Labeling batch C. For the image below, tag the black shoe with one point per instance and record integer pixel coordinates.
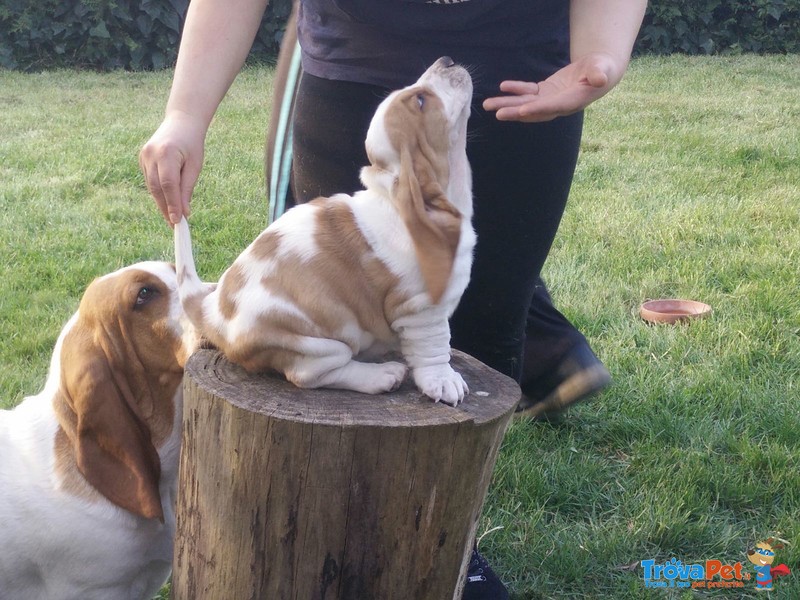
(580, 374)
(482, 583)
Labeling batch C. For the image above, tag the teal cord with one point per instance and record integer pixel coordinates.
(282, 154)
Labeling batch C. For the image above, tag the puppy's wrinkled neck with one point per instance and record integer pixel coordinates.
(378, 180)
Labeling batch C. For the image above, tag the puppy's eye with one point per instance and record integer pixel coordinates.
(145, 295)
(421, 100)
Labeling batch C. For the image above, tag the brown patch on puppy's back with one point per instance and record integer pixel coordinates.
(232, 282)
(347, 263)
(266, 245)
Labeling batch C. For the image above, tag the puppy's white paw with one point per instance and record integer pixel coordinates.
(441, 383)
(385, 377)
(367, 378)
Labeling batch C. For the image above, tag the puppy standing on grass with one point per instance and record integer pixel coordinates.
(347, 278)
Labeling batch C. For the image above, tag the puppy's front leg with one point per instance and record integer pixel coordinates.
(425, 344)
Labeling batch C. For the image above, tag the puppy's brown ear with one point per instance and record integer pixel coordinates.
(99, 414)
(433, 222)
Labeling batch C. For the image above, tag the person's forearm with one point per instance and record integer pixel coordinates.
(216, 39)
(606, 26)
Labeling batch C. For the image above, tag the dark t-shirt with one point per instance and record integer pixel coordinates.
(391, 42)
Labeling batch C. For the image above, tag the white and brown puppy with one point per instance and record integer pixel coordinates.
(88, 467)
(340, 281)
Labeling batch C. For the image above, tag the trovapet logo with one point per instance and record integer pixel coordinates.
(712, 574)
(708, 574)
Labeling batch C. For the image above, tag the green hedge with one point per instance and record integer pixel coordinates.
(720, 27)
(144, 34)
(108, 34)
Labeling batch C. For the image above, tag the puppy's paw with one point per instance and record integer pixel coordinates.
(386, 377)
(367, 378)
(441, 383)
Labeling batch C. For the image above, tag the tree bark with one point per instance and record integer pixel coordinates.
(288, 493)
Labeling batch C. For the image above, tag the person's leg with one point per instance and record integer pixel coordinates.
(522, 175)
(557, 370)
(521, 179)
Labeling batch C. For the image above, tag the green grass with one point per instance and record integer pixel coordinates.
(688, 185)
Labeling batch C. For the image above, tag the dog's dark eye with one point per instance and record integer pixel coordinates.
(145, 295)
(421, 100)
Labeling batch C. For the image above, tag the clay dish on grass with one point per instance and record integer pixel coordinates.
(673, 310)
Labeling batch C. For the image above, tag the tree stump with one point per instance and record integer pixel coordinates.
(288, 493)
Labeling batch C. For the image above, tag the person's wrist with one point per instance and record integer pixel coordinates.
(612, 65)
(187, 120)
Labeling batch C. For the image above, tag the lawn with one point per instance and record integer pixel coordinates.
(688, 186)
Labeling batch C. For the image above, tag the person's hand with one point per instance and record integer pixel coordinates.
(171, 161)
(566, 91)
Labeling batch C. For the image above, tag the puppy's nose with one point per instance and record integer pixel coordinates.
(446, 62)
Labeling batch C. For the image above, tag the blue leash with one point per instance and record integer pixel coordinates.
(282, 156)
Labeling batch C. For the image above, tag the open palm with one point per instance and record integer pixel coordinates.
(567, 91)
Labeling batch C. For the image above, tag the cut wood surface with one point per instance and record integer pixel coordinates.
(288, 493)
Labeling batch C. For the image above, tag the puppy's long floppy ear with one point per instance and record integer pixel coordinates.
(433, 222)
(100, 415)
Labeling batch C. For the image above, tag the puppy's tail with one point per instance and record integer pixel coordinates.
(191, 289)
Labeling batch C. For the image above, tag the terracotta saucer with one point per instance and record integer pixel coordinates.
(673, 310)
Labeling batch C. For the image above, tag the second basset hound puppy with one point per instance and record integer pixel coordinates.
(338, 282)
(88, 467)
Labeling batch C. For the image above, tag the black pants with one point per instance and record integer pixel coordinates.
(521, 179)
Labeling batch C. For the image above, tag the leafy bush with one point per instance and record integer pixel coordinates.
(720, 26)
(144, 34)
(107, 34)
